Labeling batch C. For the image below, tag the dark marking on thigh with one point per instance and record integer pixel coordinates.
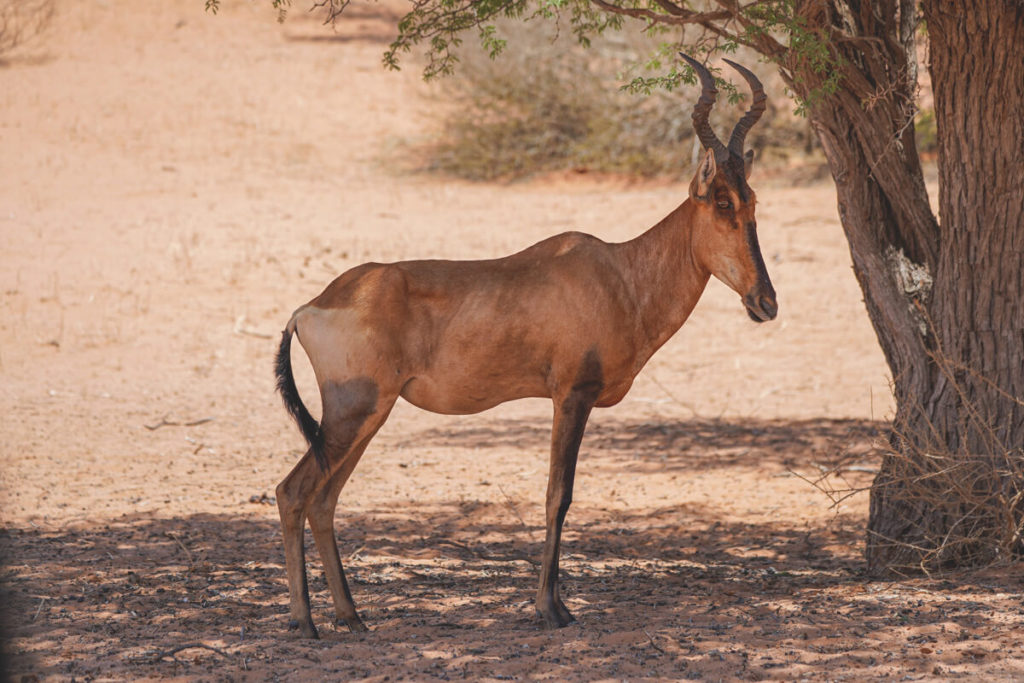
(347, 406)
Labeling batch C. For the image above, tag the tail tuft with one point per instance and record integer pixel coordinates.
(308, 425)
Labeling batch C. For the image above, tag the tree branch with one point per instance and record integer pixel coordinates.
(715, 22)
(765, 43)
(672, 8)
(642, 13)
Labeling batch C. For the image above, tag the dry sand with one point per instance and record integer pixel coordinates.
(174, 184)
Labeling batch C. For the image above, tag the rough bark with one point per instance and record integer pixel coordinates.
(950, 494)
(946, 300)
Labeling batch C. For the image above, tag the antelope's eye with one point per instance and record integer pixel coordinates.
(724, 204)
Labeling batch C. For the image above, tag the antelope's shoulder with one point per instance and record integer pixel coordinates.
(563, 244)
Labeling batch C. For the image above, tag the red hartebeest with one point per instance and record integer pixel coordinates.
(571, 318)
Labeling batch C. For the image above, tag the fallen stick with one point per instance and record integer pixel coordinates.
(240, 328)
(253, 333)
(171, 534)
(155, 657)
(515, 510)
(42, 601)
(164, 422)
(653, 644)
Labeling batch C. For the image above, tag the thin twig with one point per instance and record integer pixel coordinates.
(171, 534)
(164, 422)
(653, 644)
(240, 328)
(155, 657)
(515, 510)
(253, 333)
(836, 496)
(485, 555)
(42, 601)
(673, 397)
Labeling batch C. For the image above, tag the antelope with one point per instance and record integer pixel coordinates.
(571, 318)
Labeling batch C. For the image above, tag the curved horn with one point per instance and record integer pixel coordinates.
(757, 107)
(703, 107)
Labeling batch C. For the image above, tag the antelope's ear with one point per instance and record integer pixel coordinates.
(701, 182)
(748, 163)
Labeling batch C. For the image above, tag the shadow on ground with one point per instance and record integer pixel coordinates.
(681, 445)
(448, 590)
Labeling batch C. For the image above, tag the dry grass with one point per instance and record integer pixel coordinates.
(549, 104)
(964, 505)
(979, 497)
(976, 489)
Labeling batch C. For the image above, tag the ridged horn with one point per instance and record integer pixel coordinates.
(757, 107)
(701, 110)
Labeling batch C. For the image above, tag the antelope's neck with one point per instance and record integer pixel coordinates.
(665, 279)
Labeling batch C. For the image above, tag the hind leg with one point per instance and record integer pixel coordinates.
(291, 505)
(353, 413)
(321, 521)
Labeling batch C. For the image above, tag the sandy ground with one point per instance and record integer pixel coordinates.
(173, 184)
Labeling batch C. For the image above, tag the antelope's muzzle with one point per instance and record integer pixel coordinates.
(761, 305)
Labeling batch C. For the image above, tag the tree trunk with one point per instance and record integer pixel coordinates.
(963, 429)
(946, 301)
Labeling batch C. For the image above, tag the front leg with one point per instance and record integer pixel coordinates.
(571, 415)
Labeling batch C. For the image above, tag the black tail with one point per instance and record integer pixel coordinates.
(308, 425)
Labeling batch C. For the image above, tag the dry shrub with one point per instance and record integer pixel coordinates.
(23, 20)
(976, 490)
(965, 505)
(977, 495)
(549, 104)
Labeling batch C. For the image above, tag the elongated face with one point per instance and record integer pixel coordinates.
(725, 233)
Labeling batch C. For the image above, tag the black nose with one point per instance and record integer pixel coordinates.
(769, 306)
(762, 307)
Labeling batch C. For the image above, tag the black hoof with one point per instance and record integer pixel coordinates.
(306, 628)
(557, 618)
(354, 625)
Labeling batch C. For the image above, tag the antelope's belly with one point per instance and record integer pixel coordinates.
(455, 395)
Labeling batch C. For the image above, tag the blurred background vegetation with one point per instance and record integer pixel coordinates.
(549, 104)
(22, 21)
